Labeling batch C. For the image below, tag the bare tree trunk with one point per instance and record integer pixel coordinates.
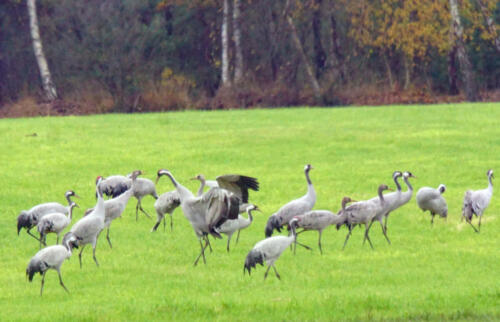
(48, 85)
(463, 59)
(238, 59)
(337, 56)
(389, 71)
(319, 52)
(303, 57)
(452, 71)
(407, 67)
(226, 81)
(490, 23)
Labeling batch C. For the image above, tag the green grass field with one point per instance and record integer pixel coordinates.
(445, 272)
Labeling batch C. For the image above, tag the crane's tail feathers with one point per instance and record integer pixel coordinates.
(272, 223)
(23, 220)
(35, 266)
(254, 257)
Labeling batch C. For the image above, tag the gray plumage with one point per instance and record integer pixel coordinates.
(430, 199)
(293, 208)
(321, 219)
(231, 226)
(51, 257)
(392, 201)
(269, 250)
(363, 212)
(207, 212)
(142, 188)
(29, 218)
(54, 223)
(115, 207)
(87, 229)
(476, 202)
(166, 204)
(115, 185)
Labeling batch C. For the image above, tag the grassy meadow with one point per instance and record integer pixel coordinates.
(445, 272)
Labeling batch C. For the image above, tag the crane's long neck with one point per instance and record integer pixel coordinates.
(201, 188)
(70, 212)
(397, 183)
(410, 188)
(381, 196)
(250, 217)
(183, 191)
(490, 184)
(68, 198)
(99, 208)
(311, 193)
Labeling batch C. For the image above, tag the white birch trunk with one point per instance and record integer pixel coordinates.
(48, 86)
(490, 23)
(463, 59)
(226, 81)
(238, 59)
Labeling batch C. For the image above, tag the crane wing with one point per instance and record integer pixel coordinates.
(220, 206)
(467, 210)
(238, 184)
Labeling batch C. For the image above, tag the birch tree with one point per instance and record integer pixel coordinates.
(226, 81)
(463, 59)
(238, 52)
(48, 86)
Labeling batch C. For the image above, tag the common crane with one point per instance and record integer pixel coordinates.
(209, 211)
(269, 250)
(432, 200)
(87, 229)
(51, 257)
(54, 223)
(29, 218)
(293, 208)
(321, 219)
(231, 226)
(476, 202)
(363, 212)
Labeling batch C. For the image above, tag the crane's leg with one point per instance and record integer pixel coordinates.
(139, 204)
(470, 223)
(137, 211)
(369, 226)
(202, 253)
(159, 217)
(43, 282)
(208, 243)
(228, 241)
(57, 241)
(276, 272)
(432, 219)
(479, 226)
(171, 223)
(41, 240)
(29, 233)
(80, 255)
(267, 271)
(367, 229)
(238, 236)
(384, 231)
(109, 241)
(347, 237)
(319, 242)
(305, 246)
(385, 221)
(94, 245)
(61, 281)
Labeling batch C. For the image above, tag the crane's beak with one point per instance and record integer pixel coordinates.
(413, 176)
(157, 179)
(193, 178)
(76, 205)
(352, 200)
(77, 196)
(390, 189)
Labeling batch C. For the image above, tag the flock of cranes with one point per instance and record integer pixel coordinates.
(219, 211)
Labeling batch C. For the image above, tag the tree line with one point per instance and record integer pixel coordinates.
(172, 54)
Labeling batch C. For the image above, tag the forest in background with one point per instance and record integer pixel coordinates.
(153, 55)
